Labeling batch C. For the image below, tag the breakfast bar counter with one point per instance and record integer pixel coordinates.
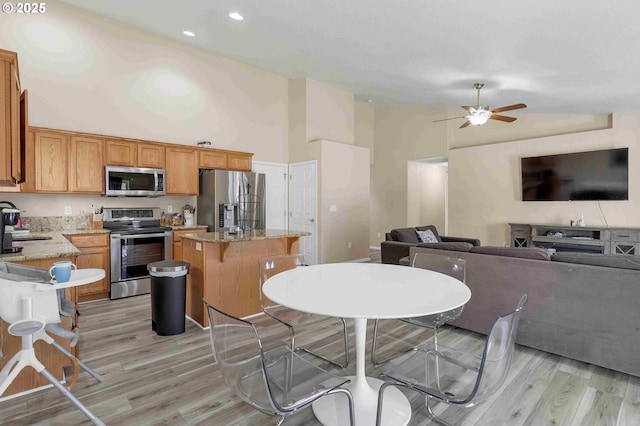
(224, 268)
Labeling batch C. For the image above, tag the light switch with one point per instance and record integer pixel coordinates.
(333, 208)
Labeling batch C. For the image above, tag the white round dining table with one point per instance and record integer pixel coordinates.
(363, 291)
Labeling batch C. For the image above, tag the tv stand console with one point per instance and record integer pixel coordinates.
(585, 239)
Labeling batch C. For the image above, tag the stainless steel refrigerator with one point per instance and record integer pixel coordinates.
(231, 201)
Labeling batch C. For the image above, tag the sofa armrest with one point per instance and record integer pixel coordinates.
(473, 241)
(393, 251)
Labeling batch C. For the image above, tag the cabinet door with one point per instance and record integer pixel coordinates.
(213, 159)
(86, 171)
(121, 153)
(151, 156)
(94, 253)
(10, 143)
(182, 171)
(51, 161)
(239, 161)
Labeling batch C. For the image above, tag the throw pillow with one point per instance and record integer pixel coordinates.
(427, 236)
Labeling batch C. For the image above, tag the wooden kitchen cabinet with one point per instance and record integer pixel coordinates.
(51, 156)
(94, 253)
(12, 135)
(212, 159)
(240, 161)
(182, 171)
(86, 170)
(121, 153)
(150, 155)
(177, 239)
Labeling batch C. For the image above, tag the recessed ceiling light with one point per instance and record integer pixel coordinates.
(370, 101)
(236, 16)
(189, 33)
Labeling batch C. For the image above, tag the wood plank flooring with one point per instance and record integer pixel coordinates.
(154, 380)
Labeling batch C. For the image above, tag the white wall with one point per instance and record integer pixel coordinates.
(426, 195)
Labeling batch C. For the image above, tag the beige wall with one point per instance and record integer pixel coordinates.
(401, 134)
(484, 183)
(426, 195)
(364, 125)
(330, 113)
(92, 74)
(344, 183)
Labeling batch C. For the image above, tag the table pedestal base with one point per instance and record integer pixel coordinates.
(333, 409)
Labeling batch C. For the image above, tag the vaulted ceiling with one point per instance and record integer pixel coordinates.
(569, 56)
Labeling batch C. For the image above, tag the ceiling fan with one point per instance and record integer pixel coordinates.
(479, 114)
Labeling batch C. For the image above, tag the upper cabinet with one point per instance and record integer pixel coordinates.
(182, 171)
(51, 156)
(240, 161)
(121, 153)
(86, 172)
(213, 159)
(151, 155)
(11, 121)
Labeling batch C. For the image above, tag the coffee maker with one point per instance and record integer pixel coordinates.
(8, 217)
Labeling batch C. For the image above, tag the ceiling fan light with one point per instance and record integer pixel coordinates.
(478, 119)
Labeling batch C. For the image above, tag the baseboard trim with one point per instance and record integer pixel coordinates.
(375, 247)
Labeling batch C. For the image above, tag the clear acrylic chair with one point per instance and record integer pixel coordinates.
(454, 377)
(272, 265)
(279, 381)
(448, 265)
(30, 305)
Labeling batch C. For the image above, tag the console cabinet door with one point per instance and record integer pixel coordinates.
(86, 170)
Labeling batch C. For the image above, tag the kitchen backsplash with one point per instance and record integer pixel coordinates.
(56, 223)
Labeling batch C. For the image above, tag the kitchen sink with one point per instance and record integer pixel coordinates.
(34, 238)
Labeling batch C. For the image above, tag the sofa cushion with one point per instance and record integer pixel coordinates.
(426, 236)
(453, 246)
(535, 253)
(404, 261)
(405, 235)
(621, 261)
(432, 229)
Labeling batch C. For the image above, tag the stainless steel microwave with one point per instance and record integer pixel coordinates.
(134, 182)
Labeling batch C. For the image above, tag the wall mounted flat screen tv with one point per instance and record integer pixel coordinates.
(593, 175)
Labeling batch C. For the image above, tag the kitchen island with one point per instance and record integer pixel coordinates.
(224, 268)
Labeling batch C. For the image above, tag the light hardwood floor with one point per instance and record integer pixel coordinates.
(154, 380)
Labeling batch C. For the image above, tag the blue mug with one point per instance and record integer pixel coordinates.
(61, 271)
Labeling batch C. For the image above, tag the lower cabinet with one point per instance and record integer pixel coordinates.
(94, 253)
(177, 239)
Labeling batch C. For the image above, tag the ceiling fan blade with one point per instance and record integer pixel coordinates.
(452, 118)
(502, 118)
(509, 108)
(466, 123)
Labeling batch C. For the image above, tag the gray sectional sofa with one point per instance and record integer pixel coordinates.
(582, 306)
(398, 242)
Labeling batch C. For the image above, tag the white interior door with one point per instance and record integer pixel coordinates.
(303, 212)
(276, 194)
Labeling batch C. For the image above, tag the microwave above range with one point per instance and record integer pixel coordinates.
(134, 182)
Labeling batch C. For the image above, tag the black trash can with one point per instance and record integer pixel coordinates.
(168, 296)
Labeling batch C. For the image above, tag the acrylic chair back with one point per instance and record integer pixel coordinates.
(272, 265)
(448, 265)
(498, 354)
(238, 351)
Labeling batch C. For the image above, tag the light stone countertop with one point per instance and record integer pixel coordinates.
(225, 237)
(57, 246)
(185, 227)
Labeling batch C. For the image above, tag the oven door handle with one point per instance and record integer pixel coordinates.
(128, 237)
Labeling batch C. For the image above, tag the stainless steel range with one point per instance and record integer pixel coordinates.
(137, 239)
